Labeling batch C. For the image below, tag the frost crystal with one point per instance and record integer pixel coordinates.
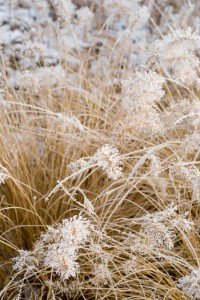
(3, 177)
(159, 233)
(24, 260)
(63, 10)
(140, 244)
(108, 159)
(139, 95)
(177, 57)
(77, 165)
(190, 284)
(142, 88)
(160, 227)
(69, 120)
(76, 230)
(33, 50)
(130, 265)
(62, 260)
(72, 232)
(188, 177)
(28, 81)
(102, 274)
(155, 165)
(63, 244)
(144, 123)
(57, 248)
(85, 15)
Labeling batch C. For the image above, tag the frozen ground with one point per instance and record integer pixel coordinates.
(52, 40)
(37, 38)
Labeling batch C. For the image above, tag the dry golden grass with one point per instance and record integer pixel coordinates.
(42, 133)
(36, 152)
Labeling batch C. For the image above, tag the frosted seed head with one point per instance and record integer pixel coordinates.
(25, 260)
(190, 284)
(142, 88)
(108, 159)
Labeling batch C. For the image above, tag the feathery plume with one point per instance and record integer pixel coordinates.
(190, 284)
(108, 159)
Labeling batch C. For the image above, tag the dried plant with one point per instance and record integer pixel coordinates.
(99, 141)
(190, 284)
